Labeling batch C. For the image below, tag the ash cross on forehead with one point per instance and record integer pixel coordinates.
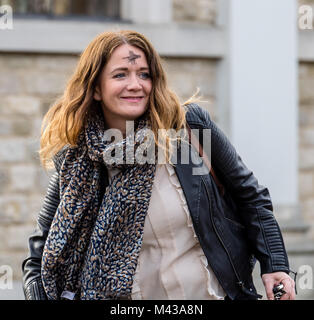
(132, 57)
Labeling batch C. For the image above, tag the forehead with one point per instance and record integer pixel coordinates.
(127, 54)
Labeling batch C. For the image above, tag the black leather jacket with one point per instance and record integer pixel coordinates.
(230, 235)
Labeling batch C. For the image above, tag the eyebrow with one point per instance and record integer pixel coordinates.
(126, 69)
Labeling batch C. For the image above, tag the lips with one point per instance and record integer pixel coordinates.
(132, 99)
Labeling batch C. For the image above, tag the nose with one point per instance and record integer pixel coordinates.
(134, 83)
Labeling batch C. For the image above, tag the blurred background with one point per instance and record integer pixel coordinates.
(253, 61)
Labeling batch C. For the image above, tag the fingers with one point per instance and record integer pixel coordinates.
(288, 288)
(269, 285)
(270, 280)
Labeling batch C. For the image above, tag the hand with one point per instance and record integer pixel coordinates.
(273, 279)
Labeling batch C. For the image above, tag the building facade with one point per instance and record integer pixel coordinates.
(252, 63)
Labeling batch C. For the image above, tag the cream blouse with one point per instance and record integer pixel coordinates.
(171, 264)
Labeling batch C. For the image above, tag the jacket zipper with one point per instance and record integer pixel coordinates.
(240, 283)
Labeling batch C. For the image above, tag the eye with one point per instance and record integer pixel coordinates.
(144, 75)
(119, 75)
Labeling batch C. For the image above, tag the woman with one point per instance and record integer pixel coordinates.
(118, 224)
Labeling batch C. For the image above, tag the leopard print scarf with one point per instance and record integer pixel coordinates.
(94, 241)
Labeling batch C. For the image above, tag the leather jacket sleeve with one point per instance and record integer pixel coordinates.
(32, 284)
(253, 200)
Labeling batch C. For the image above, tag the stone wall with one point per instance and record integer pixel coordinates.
(306, 136)
(186, 75)
(200, 11)
(29, 84)
(306, 142)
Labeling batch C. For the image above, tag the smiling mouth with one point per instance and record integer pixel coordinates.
(132, 99)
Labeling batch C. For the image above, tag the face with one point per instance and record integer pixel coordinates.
(124, 86)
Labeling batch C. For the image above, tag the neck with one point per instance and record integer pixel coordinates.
(120, 125)
(112, 122)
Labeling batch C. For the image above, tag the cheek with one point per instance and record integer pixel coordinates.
(148, 87)
(111, 90)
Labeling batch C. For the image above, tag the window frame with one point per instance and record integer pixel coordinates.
(71, 14)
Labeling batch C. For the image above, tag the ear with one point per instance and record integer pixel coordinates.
(97, 93)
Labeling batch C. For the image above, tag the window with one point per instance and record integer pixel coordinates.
(65, 8)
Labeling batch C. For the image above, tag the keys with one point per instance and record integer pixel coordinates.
(278, 291)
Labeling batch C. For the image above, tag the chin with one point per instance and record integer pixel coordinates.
(136, 114)
(133, 117)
